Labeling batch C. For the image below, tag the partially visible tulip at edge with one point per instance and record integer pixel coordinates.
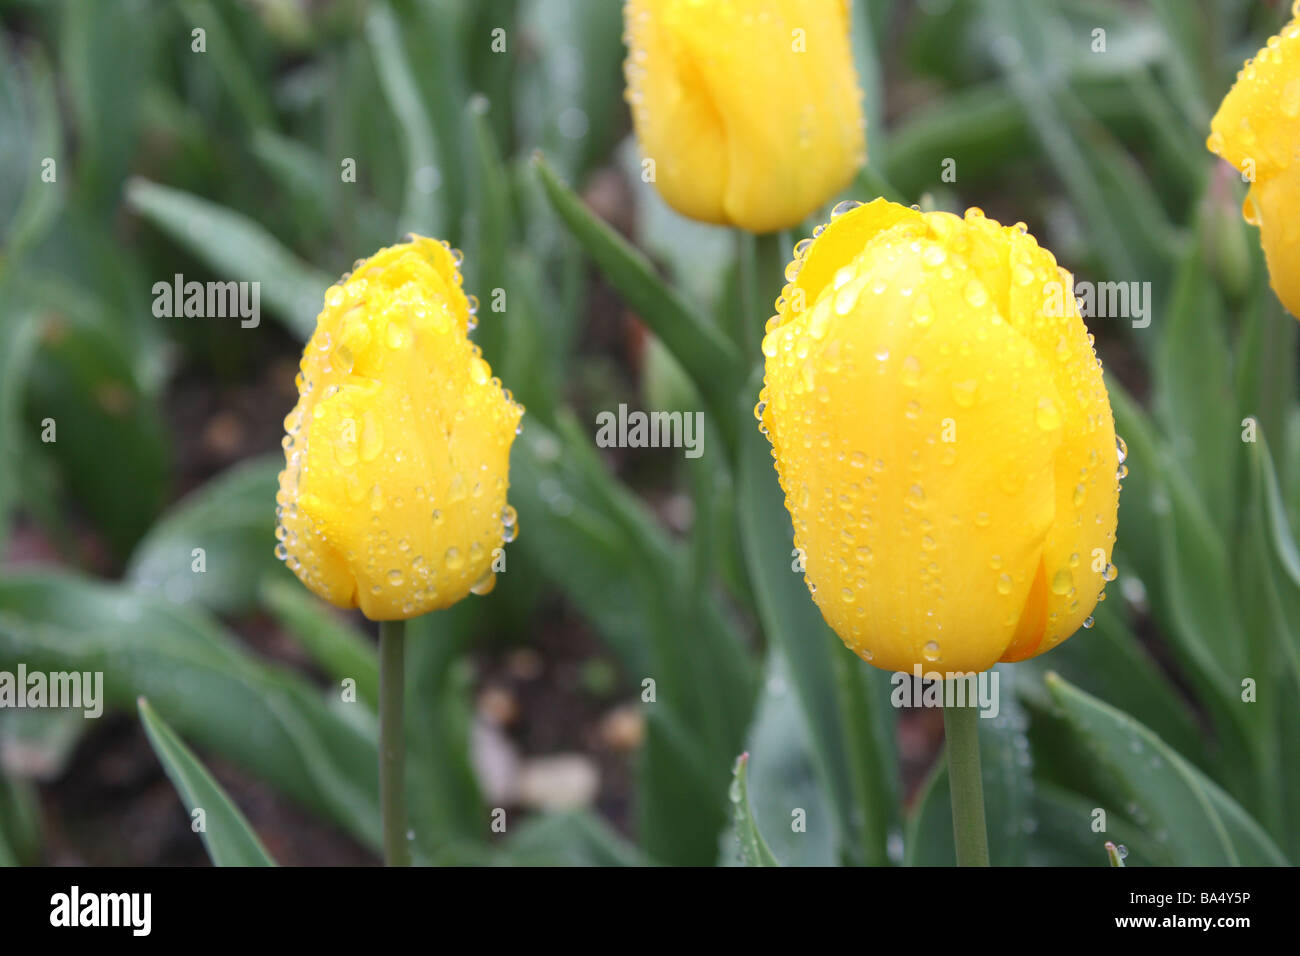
(750, 112)
(1256, 129)
(393, 495)
(943, 436)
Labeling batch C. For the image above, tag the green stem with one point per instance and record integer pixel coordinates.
(961, 731)
(855, 718)
(762, 260)
(392, 742)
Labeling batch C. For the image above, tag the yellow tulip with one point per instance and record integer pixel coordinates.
(749, 109)
(943, 437)
(393, 495)
(1256, 129)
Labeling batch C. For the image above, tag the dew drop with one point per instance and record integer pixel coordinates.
(1047, 415)
(975, 293)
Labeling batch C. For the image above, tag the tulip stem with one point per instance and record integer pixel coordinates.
(762, 274)
(961, 733)
(392, 742)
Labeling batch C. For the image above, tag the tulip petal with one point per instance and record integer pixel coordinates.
(901, 407)
(393, 497)
(751, 111)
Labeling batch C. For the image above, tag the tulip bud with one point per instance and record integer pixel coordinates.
(393, 495)
(747, 113)
(943, 437)
(1255, 130)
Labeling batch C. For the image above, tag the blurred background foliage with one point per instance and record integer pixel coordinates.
(226, 165)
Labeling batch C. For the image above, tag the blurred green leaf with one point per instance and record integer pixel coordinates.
(1173, 802)
(337, 648)
(1065, 834)
(1109, 659)
(18, 341)
(106, 55)
(753, 849)
(262, 717)
(227, 835)
(782, 778)
(232, 519)
(236, 248)
(20, 823)
(108, 436)
(240, 73)
(567, 839)
(1194, 388)
(596, 542)
(422, 209)
(30, 134)
(704, 353)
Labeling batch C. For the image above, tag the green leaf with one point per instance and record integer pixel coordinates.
(29, 116)
(1033, 39)
(598, 543)
(1172, 801)
(567, 839)
(1065, 834)
(228, 837)
(20, 823)
(753, 849)
(421, 210)
(110, 442)
(240, 74)
(18, 342)
(1270, 515)
(337, 648)
(782, 778)
(1110, 659)
(489, 267)
(706, 355)
(264, 718)
(236, 248)
(1195, 397)
(232, 518)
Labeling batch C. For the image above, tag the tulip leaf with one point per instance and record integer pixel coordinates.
(753, 848)
(781, 782)
(597, 542)
(1109, 659)
(1270, 514)
(1195, 397)
(571, 838)
(227, 835)
(1031, 39)
(337, 648)
(1066, 834)
(704, 352)
(32, 117)
(109, 441)
(421, 209)
(20, 822)
(264, 718)
(19, 336)
(236, 248)
(232, 520)
(1172, 801)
